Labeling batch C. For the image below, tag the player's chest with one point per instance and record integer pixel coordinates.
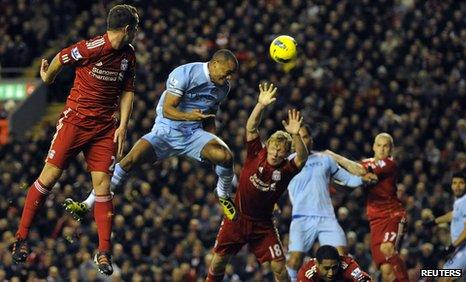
(205, 94)
(265, 178)
(110, 68)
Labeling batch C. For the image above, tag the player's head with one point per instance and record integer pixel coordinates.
(278, 147)
(458, 184)
(383, 146)
(222, 66)
(305, 133)
(327, 262)
(123, 19)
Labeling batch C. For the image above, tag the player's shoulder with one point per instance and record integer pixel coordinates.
(346, 261)
(368, 160)
(95, 42)
(388, 161)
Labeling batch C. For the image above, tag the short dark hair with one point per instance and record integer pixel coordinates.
(225, 55)
(307, 127)
(121, 16)
(458, 174)
(327, 252)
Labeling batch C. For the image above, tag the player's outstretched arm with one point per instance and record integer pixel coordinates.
(267, 95)
(352, 166)
(48, 72)
(170, 110)
(295, 121)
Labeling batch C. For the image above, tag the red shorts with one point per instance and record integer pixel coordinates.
(75, 135)
(385, 230)
(261, 237)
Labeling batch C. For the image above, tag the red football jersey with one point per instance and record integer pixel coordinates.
(261, 184)
(348, 271)
(102, 73)
(382, 199)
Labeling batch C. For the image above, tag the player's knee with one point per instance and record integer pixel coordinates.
(386, 272)
(387, 249)
(279, 270)
(295, 261)
(218, 263)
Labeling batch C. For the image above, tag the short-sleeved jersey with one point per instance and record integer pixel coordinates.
(192, 83)
(348, 271)
(382, 200)
(261, 184)
(309, 189)
(459, 218)
(102, 73)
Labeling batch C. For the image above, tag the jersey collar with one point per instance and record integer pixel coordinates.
(206, 72)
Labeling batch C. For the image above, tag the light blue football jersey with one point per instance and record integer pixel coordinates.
(309, 190)
(459, 217)
(192, 83)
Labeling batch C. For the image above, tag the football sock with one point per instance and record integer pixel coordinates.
(293, 273)
(89, 202)
(225, 176)
(118, 177)
(36, 196)
(399, 268)
(103, 215)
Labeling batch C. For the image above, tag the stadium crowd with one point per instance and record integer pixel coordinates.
(396, 66)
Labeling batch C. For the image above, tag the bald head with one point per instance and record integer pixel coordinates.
(383, 146)
(222, 66)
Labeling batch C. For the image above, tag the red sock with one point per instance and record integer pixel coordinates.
(214, 277)
(399, 268)
(103, 215)
(35, 199)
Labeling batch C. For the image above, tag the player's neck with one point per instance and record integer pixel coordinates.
(116, 39)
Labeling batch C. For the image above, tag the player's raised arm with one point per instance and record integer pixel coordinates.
(292, 127)
(352, 166)
(49, 72)
(267, 93)
(170, 110)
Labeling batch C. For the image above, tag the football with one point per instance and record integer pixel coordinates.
(283, 49)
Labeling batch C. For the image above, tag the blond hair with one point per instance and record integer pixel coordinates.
(281, 137)
(386, 136)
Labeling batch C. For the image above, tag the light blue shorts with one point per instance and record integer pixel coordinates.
(304, 230)
(168, 141)
(458, 261)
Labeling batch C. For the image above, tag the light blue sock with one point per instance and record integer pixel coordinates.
(225, 176)
(118, 177)
(293, 274)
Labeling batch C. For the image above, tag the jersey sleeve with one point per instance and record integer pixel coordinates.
(178, 81)
(253, 146)
(342, 176)
(353, 272)
(130, 76)
(75, 54)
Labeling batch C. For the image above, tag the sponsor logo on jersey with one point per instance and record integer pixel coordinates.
(75, 54)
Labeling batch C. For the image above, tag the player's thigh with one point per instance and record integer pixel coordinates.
(264, 242)
(101, 150)
(203, 145)
(457, 261)
(303, 232)
(141, 152)
(331, 233)
(383, 231)
(230, 238)
(67, 142)
(165, 142)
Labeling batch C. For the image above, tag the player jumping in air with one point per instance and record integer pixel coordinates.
(264, 178)
(105, 68)
(385, 212)
(184, 125)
